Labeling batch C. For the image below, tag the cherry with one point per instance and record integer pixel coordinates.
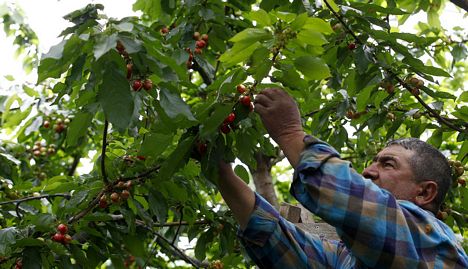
(189, 64)
(120, 47)
(115, 197)
(147, 84)
(415, 91)
(58, 237)
(46, 124)
(198, 51)
(136, 86)
(120, 185)
(164, 30)
(200, 44)
(125, 194)
(103, 202)
(201, 148)
(67, 239)
(59, 128)
(225, 129)
(230, 118)
(141, 158)
(245, 100)
(351, 46)
(196, 35)
(62, 228)
(128, 185)
(129, 70)
(204, 37)
(241, 88)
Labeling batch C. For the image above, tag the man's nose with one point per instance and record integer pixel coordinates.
(371, 172)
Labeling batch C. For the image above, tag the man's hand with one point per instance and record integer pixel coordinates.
(281, 118)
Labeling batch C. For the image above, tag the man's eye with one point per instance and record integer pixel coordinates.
(387, 164)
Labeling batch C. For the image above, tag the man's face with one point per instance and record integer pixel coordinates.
(391, 170)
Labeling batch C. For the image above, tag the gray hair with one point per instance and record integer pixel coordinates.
(428, 163)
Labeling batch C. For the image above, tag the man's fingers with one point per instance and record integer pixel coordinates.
(262, 99)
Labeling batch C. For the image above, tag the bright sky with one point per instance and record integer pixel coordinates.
(45, 17)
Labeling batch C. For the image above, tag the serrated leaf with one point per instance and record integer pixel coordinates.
(312, 67)
(115, 98)
(318, 25)
(260, 16)
(238, 53)
(251, 35)
(78, 127)
(104, 44)
(311, 37)
(174, 106)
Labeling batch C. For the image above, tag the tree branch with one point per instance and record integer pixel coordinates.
(47, 196)
(103, 153)
(431, 111)
(461, 4)
(76, 161)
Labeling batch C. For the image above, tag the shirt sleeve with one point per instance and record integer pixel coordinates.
(273, 242)
(380, 231)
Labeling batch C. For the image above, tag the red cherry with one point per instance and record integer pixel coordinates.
(196, 35)
(188, 50)
(103, 202)
(125, 194)
(351, 46)
(200, 44)
(147, 84)
(225, 129)
(141, 158)
(245, 100)
(230, 118)
(59, 128)
(240, 88)
(204, 37)
(62, 228)
(120, 47)
(67, 239)
(58, 237)
(201, 148)
(115, 197)
(164, 30)
(46, 124)
(137, 85)
(129, 70)
(198, 51)
(189, 64)
(128, 184)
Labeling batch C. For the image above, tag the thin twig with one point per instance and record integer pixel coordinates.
(85, 211)
(66, 195)
(432, 112)
(103, 154)
(180, 225)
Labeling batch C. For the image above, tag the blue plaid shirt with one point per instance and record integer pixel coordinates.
(376, 230)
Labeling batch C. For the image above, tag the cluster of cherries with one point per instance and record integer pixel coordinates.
(62, 236)
(59, 126)
(41, 150)
(137, 84)
(201, 41)
(121, 193)
(245, 100)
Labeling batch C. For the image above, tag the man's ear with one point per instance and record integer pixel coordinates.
(427, 193)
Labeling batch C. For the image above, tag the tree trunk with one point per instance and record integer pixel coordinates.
(263, 180)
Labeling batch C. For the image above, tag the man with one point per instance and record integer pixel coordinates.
(385, 218)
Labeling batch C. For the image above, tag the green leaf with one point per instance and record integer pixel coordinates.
(7, 238)
(251, 35)
(211, 124)
(174, 106)
(419, 66)
(10, 158)
(177, 159)
(372, 8)
(332, 4)
(463, 97)
(363, 98)
(463, 153)
(260, 16)
(436, 138)
(115, 97)
(78, 128)
(299, 22)
(311, 37)
(238, 53)
(461, 113)
(433, 18)
(318, 25)
(104, 44)
(155, 144)
(312, 67)
(242, 173)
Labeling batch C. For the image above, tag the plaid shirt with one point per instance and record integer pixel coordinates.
(376, 230)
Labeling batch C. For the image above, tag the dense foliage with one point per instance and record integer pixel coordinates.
(156, 101)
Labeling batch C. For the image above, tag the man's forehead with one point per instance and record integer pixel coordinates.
(395, 151)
